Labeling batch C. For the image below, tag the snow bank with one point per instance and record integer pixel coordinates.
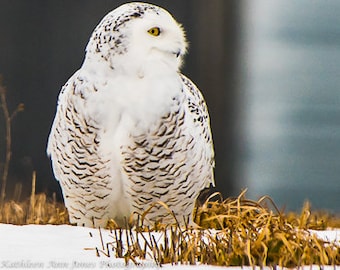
(69, 247)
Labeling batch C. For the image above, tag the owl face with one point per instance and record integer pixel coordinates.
(138, 36)
(157, 37)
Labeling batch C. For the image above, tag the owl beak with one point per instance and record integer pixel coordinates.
(177, 53)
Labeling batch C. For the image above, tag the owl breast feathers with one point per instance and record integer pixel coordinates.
(130, 130)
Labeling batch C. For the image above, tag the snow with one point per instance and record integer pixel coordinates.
(70, 247)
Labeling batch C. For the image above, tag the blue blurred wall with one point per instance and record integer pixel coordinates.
(290, 112)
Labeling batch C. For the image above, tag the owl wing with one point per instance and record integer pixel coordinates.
(58, 137)
(72, 143)
(197, 109)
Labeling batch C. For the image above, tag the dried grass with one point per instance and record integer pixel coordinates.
(41, 210)
(231, 232)
(38, 209)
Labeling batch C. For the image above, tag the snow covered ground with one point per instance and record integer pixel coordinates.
(69, 247)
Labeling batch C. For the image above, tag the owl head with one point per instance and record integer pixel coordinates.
(137, 36)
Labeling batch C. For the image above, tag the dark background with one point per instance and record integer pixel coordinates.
(42, 45)
(269, 71)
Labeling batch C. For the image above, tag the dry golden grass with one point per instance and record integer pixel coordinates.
(39, 210)
(256, 233)
(231, 232)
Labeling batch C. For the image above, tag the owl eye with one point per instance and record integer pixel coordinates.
(155, 31)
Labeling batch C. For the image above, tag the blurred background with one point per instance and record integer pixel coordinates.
(269, 70)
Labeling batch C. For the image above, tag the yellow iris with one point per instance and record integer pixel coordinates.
(155, 31)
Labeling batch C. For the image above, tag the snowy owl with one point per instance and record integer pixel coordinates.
(130, 130)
